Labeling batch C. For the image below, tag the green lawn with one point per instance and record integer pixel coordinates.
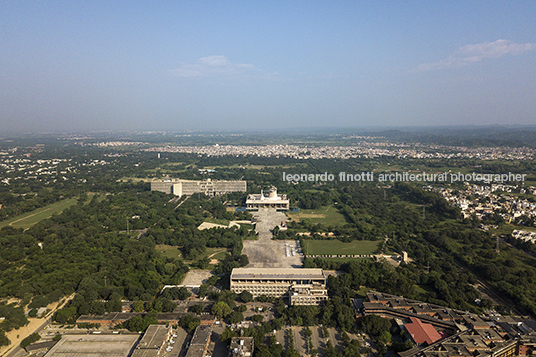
(28, 219)
(327, 215)
(509, 228)
(170, 251)
(336, 247)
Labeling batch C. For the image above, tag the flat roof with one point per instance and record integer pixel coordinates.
(199, 341)
(201, 335)
(277, 273)
(94, 345)
(145, 353)
(247, 345)
(154, 337)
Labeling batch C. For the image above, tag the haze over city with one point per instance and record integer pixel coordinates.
(210, 65)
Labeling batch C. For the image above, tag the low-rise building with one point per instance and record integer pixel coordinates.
(200, 341)
(241, 346)
(153, 341)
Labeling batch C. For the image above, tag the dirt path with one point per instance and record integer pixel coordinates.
(215, 261)
(16, 336)
(213, 254)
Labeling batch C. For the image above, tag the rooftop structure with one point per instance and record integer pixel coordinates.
(241, 346)
(200, 340)
(115, 318)
(153, 341)
(470, 335)
(272, 200)
(208, 187)
(302, 286)
(94, 345)
(421, 332)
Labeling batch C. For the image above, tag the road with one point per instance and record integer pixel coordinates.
(17, 351)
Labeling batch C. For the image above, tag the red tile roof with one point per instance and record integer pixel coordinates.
(421, 332)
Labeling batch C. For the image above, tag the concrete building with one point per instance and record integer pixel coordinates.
(241, 346)
(272, 200)
(200, 341)
(301, 286)
(209, 187)
(153, 341)
(84, 345)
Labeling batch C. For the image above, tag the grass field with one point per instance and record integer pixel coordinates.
(327, 215)
(335, 247)
(28, 219)
(509, 228)
(170, 251)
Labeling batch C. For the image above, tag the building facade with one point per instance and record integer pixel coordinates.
(208, 187)
(272, 200)
(301, 286)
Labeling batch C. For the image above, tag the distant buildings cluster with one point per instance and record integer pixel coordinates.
(364, 149)
(482, 200)
(525, 236)
(438, 331)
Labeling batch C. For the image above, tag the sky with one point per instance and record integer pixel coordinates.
(246, 65)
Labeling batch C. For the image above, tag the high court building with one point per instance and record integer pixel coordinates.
(272, 200)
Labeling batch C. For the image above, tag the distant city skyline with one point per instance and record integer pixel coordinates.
(221, 65)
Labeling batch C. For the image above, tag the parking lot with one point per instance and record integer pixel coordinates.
(318, 339)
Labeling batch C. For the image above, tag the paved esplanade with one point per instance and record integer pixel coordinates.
(266, 252)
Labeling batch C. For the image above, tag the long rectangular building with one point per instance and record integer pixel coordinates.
(209, 187)
(302, 286)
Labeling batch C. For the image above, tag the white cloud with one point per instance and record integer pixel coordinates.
(212, 66)
(214, 61)
(476, 53)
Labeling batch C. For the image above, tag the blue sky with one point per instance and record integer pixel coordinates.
(230, 65)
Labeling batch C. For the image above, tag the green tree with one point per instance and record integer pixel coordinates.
(257, 318)
(189, 322)
(385, 337)
(34, 337)
(235, 317)
(138, 306)
(375, 325)
(196, 309)
(4, 341)
(227, 334)
(246, 296)
(221, 309)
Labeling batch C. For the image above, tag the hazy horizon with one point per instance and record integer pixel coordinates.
(243, 66)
